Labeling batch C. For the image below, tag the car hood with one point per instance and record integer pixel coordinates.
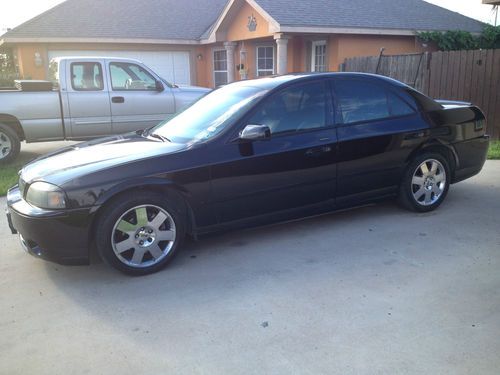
(187, 88)
(77, 160)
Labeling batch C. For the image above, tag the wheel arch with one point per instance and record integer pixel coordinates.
(153, 185)
(436, 145)
(14, 123)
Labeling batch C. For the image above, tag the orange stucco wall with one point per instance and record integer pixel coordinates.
(345, 46)
(26, 60)
(237, 28)
(339, 47)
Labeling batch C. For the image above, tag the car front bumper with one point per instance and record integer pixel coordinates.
(56, 236)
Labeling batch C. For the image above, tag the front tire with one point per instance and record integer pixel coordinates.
(425, 183)
(10, 145)
(139, 233)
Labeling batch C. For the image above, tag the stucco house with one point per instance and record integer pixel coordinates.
(212, 42)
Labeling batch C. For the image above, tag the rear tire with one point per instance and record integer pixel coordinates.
(425, 182)
(10, 144)
(139, 233)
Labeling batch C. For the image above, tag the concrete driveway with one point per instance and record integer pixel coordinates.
(376, 290)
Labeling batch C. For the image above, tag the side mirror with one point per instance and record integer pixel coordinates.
(255, 132)
(159, 86)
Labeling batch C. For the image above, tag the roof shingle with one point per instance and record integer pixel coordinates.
(192, 19)
(376, 14)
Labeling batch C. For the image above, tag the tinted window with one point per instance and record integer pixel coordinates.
(126, 76)
(86, 76)
(397, 106)
(363, 101)
(294, 109)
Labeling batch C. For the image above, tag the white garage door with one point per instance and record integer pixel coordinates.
(172, 66)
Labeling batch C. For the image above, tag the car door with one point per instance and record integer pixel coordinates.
(295, 168)
(136, 102)
(88, 100)
(378, 126)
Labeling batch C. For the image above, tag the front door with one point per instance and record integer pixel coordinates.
(295, 168)
(135, 101)
(88, 100)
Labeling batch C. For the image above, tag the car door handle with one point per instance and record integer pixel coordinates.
(318, 151)
(415, 135)
(118, 99)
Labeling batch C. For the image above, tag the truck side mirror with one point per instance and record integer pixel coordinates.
(159, 86)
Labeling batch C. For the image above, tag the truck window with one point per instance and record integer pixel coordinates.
(127, 76)
(86, 76)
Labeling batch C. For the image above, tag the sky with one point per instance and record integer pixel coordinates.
(15, 12)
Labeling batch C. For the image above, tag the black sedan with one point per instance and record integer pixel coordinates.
(250, 153)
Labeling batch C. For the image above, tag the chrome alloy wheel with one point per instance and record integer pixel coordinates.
(5, 145)
(428, 182)
(143, 236)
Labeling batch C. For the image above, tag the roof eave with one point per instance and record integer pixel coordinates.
(17, 40)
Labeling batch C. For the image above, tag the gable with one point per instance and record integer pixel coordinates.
(241, 24)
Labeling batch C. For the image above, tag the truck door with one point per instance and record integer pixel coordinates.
(136, 101)
(88, 100)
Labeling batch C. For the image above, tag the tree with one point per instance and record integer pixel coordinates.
(459, 40)
(8, 68)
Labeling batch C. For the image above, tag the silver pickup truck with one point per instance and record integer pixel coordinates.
(93, 97)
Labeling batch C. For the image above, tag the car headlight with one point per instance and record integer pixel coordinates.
(45, 195)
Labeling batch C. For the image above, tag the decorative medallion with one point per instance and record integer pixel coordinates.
(252, 23)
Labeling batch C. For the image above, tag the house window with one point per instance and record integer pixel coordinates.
(318, 52)
(220, 67)
(265, 61)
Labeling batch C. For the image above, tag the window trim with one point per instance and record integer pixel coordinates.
(338, 111)
(101, 70)
(127, 90)
(257, 70)
(219, 71)
(313, 54)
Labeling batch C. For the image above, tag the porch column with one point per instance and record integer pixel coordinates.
(282, 53)
(230, 47)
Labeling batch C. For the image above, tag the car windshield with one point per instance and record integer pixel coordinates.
(208, 116)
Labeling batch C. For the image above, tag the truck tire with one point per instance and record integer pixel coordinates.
(10, 145)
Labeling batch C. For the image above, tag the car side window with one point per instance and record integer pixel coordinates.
(128, 76)
(86, 76)
(397, 106)
(360, 101)
(294, 109)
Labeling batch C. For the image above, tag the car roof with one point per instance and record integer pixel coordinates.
(271, 82)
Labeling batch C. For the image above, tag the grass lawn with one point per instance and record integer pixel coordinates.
(8, 173)
(494, 151)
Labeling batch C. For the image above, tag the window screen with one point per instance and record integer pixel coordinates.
(220, 68)
(265, 61)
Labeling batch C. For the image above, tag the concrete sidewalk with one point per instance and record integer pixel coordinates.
(376, 290)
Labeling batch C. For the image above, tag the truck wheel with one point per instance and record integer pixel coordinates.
(425, 183)
(139, 233)
(10, 145)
